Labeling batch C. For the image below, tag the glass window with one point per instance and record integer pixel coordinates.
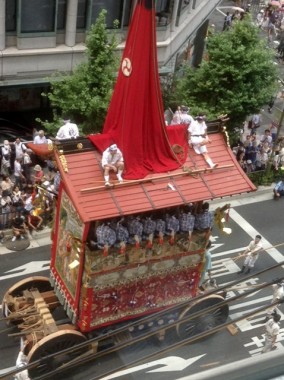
(82, 14)
(127, 12)
(162, 5)
(38, 16)
(10, 18)
(113, 7)
(61, 14)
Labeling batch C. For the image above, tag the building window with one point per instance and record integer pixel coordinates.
(11, 15)
(126, 12)
(61, 14)
(113, 8)
(82, 14)
(37, 16)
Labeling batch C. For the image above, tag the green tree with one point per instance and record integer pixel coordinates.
(85, 94)
(237, 79)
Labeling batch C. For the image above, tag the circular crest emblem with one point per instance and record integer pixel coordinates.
(126, 67)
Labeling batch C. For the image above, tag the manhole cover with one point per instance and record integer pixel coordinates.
(17, 245)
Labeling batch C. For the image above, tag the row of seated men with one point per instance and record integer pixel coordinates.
(135, 229)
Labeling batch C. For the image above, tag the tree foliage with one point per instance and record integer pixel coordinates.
(237, 79)
(85, 94)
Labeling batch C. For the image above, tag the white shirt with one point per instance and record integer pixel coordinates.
(197, 128)
(272, 328)
(67, 131)
(40, 140)
(278, 292)
(19, 149)
(17, 169)
(254, 247)
(186, 119)
(111, 159)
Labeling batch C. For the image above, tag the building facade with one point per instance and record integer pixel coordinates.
(40, 37)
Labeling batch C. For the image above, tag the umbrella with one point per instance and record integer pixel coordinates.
(275, 3)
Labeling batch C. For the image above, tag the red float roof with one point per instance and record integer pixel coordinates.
(84, 182)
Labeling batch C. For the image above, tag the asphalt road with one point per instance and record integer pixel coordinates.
(247, 220)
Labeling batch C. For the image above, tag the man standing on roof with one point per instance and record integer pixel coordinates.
(112, 160)
(68, 130)
(185, 118)
(198, 139)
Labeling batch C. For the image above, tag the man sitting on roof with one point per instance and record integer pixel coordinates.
(112, 159)
(198, 139)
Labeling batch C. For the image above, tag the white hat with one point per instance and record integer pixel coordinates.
(249, 162)
(37, 168)
(113, 147)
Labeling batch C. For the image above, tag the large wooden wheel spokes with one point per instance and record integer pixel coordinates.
(36, 282)
(206, 321)
(52, 344)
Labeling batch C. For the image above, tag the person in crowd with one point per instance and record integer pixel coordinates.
(273, 130)
(205, 219)
(251, 254)
(34, 221)
(250, 148)
(227, 21)
(112, 160)
(19, 148)
(272, 329)
(40, 138)
(198, 138)
(26, 165)
(56, 181)
(7, 184)
(28, 202)
(266, 137)
(207, 267)
(185, 118)
(241, 160)
(249, 167)
(260, 18)
(6, 152)
(278, 294)
(18, 173)
(255, 122)
(38, 176)
(67, 131)
(278, 190)
(19, 228)
(261, 159)
(17, 199)
(6, 209)
(177, 117)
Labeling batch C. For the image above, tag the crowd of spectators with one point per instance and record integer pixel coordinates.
(255, 151)
(28, 188)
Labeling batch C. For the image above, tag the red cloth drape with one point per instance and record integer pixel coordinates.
(135, 120)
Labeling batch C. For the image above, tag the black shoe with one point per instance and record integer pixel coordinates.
(242, 270)
(248, 271)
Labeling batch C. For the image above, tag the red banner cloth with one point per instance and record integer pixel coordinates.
(135, 120)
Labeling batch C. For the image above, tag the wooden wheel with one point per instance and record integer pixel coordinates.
(39, 282)
(51, 344)
(206, 321)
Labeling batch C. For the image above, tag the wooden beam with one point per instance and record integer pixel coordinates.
(185, 172)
